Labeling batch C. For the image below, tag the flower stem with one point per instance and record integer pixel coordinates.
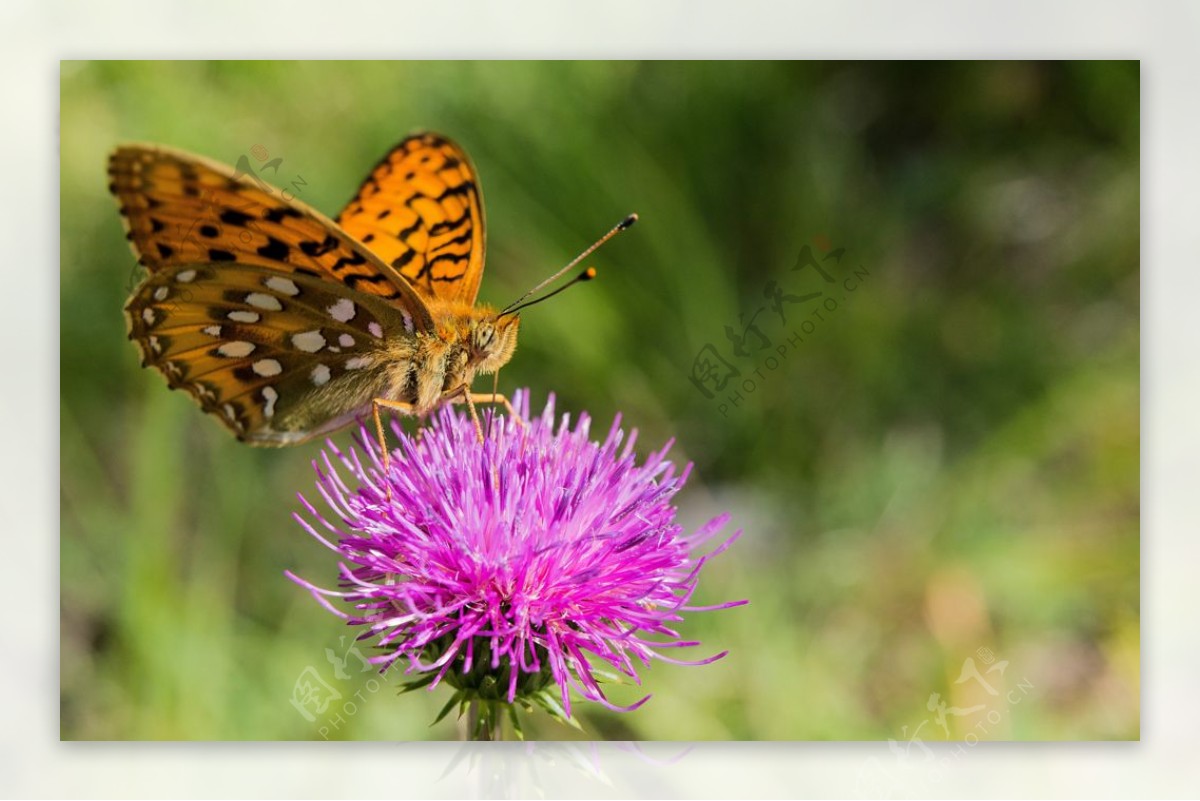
(483, 722)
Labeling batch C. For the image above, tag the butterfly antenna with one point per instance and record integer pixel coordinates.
(586, 275)
(516, 305)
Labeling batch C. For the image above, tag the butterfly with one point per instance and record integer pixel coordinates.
(286, 325)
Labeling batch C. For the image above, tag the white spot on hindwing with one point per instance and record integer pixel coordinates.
(357, 363)
(185, 276)
(236, 350)
(161, 293)
(408, 323)
(346, 341)
(213, 330)
(376, 329)
(244, 316)
(320, 374)
(284, 286)
(267, 367)
(264, 301)
(309, 341)
(342, 311)
(155, 345)
(270, 396)
(148, 316)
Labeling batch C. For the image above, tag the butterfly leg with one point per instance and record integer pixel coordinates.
(464, 395)
(399, 406)
(496, 397)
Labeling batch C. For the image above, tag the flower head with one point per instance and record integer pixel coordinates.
(513, 567)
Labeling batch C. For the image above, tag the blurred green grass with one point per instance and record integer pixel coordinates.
(948, 463)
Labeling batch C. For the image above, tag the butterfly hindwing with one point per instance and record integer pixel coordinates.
(420, 210)
(182, 209)
(276, 358)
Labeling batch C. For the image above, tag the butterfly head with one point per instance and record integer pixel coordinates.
(492, 341)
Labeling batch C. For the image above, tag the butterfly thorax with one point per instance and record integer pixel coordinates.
(466, 341)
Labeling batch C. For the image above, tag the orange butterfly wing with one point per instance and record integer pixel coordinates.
(421, 212)
(179, 208)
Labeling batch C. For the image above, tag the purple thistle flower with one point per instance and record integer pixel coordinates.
(509, 568)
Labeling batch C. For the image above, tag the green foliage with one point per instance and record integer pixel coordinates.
(947, 462)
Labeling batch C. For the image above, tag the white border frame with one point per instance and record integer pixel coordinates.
(1162, 35)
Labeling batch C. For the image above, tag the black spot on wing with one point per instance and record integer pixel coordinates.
(450, 257)
(447, 225)
(458, 240)
(234, 217)
(280, 214)
(310, 248)
(274, 249)
(405, 233)
(354, 279)
(462, 189)
(348, 261)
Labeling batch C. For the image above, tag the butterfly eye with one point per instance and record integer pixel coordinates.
(484, 336)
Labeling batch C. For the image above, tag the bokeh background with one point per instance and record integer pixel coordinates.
(938, 478)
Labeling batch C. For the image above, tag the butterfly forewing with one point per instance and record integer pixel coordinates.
(183, 209)
(421, 212)
(276, 358)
